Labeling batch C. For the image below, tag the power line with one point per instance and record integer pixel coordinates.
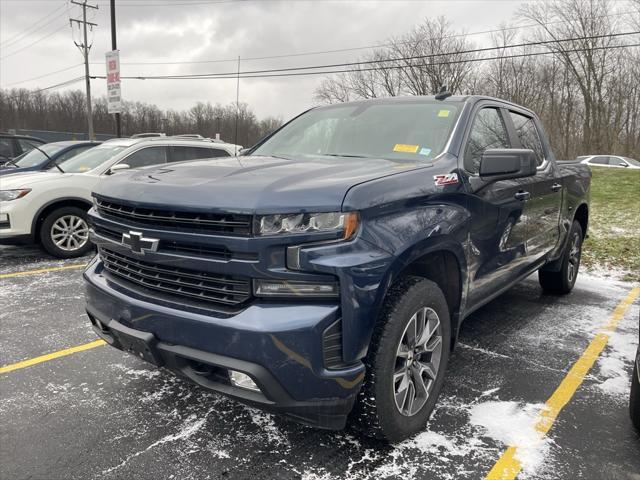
(369, 62)
(51, 87)
(44, 75)
(33, 43)
(351, 49)
(26, 32)
(392, 67)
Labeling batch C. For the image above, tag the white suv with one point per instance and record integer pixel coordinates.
(51, 207)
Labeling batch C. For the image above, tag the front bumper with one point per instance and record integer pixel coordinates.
(278, 344)
(17, 227)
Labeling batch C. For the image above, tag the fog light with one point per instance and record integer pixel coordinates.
(242, 380)
(4, 217)
(284, 288)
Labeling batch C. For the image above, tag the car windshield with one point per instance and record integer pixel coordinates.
(402, 130)
(35, 157)
(631, 161)
(85, 161)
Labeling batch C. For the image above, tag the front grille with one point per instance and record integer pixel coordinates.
(217, 252)
(201, 222)
(202, 287)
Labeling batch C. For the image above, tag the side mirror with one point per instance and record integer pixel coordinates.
(119, 167)
(243, 151)
(507, 163)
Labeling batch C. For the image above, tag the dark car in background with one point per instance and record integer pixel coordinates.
(12, 146)
(46, 156)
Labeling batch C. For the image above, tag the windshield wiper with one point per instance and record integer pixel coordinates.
(49, 158)
(346, 155)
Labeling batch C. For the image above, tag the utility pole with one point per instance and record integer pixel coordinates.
(84, 48)
(114, 47)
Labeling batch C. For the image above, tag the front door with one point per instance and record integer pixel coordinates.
(500, 212)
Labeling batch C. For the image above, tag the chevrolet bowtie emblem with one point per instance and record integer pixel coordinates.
(139, 244)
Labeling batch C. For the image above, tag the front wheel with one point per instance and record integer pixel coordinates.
(562, 281)
(406, 362)
(65, 233)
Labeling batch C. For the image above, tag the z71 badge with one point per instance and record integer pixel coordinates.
(446, 179)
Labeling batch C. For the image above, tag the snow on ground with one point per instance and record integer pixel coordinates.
(513, 424)
(616, 362)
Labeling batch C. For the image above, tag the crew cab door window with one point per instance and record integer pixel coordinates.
(528, 135)
(180, 153)
(147, 156)
(487, 131)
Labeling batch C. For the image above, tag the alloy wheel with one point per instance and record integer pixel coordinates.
(70, 233)
(418, 359)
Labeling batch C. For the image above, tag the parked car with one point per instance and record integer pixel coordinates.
(326, 273)
(611, 161)
(45, 156)
(12, 146)
(51, 207)
(634, 400)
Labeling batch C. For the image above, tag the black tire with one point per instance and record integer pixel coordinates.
(634, 399)
(562, 281)
(67, 250)
(376, 413)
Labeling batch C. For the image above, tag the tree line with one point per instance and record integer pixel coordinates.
(66, 111)
(586, 91)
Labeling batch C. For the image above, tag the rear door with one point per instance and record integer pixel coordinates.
(543, 228)
(499, 211)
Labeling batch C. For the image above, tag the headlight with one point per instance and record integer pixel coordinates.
(286, 288)
(309, 222)
(8, 195)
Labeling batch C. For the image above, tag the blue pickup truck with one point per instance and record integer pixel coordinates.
(325, 274)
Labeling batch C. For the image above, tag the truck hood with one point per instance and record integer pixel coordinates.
(251, 184)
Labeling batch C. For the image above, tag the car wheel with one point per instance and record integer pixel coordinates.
(65, 233)
(562, 281)
(406, 362)
(634, 400)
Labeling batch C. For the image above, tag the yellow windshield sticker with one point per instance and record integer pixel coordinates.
(401, 147)
(443, 113)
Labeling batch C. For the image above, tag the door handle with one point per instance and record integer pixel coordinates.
(556, 187)
(522, 195)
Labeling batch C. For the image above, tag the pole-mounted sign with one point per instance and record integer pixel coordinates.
(114, 98)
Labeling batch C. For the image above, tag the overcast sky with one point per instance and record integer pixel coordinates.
(201, 30)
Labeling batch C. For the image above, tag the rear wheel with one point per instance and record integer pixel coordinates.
(65, 232)
(406, 361)
(562, 281)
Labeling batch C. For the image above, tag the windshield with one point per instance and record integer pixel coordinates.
(35, 157)
(631, 161)
(403, 131)
(90, 159)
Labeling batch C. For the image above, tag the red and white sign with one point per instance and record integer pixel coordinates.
(114, 98)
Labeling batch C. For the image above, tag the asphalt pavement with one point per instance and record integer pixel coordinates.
(100, 413)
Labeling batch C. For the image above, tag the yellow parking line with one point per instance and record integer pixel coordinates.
(50, 356)
(42, 270)
(508, 466)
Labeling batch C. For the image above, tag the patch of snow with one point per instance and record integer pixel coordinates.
(616, 361)
(513, 424)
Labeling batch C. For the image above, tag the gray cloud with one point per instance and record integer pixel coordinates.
(222, 31)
